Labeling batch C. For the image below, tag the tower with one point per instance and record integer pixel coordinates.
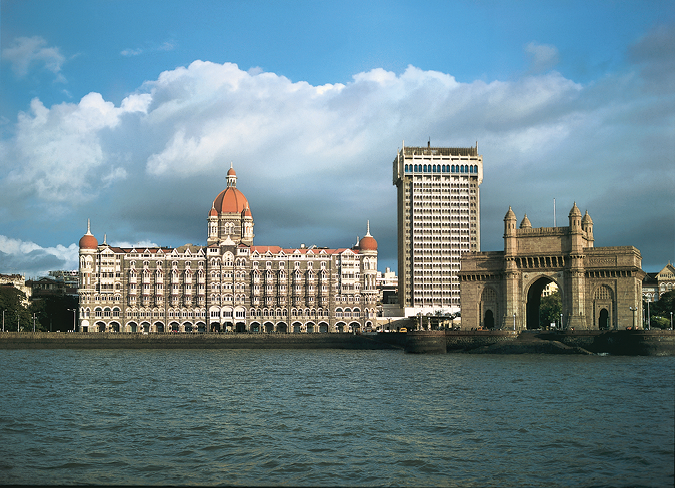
(230, 216)
(438, 199)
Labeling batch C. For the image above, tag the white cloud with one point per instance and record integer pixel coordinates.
(319, 157)
(25, 52)
(34, 260)
(542, 57)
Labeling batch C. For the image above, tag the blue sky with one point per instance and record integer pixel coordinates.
(129, 113)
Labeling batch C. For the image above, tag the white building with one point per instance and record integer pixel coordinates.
(229, 284)
(438, 220)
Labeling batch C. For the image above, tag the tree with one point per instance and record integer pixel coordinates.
(550, 308)
(660, 311)
(11, 301)
(54, 313)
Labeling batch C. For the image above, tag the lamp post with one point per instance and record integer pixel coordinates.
(561, 321)
(33, 323)
(633, 309)
(649, 322)
(514, 320)
(3, 320)
(671, 320)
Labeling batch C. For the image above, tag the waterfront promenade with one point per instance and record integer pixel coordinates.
(623, 343)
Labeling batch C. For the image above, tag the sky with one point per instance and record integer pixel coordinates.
(130, 113)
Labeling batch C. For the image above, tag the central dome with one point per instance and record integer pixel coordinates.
(230, 200)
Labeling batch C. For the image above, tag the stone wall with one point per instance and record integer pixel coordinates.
(46, 340)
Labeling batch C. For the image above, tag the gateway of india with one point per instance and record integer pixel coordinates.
(229, 284)
(601, 288)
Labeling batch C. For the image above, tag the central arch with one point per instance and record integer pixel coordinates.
(533, 305)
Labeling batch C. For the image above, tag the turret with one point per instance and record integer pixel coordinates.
(575, 229)
(587, 227)
(509, 232)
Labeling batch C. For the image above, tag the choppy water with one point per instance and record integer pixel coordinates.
(345, 418)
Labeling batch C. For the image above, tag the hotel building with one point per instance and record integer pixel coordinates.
(228, 285)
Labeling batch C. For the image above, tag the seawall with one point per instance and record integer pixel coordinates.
(620, 343)
(55, 340)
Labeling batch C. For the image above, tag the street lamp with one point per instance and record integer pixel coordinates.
(561, 321)
(649, 323)
(33, 323)
(671, 320)
(633, 310)
(514, 320)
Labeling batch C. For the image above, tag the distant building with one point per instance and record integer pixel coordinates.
(19, 282)
(228, 285)
(600, 288)
(666, 279)
(438, 197)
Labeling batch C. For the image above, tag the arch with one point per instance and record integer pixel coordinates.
(296, 327)
(489, 320)
(268, 327)
(533, 303)
(159, 327)
(114, 327)
(603, 319)
(132, 327)
(341, 327)
(100, 327)
(323, 327)
(240, 327)
(282, 328)
(254, 327)
(174, 327)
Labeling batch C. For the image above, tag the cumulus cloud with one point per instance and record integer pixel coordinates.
(34, 260)
(25, 52)
(315, 161)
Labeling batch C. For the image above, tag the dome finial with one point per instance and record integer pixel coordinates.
(88, 227)
(368, 228)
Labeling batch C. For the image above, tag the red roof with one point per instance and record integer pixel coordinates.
(230, 200)
(88, 241)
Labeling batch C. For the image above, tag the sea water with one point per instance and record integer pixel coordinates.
(334, 418)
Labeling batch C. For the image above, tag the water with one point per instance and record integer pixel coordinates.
(334, 418)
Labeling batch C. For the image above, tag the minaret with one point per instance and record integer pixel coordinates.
(512, 316)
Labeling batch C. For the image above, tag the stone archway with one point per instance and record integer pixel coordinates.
(603, 320)
(489, 320)
(533, 303)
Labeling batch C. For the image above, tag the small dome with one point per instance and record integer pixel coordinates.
(231, 172)
(213, 212)
(587, 219)
(575, 211)
(88, 241)
(526, 224)
(510, 215)
(368, 242)
(246, 212)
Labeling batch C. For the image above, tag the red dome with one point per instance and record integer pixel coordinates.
(231, 172)
(368, 243)
(213, 212)
(230, 200)
(88, 241)
(246, 212)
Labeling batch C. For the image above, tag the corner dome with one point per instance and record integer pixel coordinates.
(510, 215)
(525, 223)
(587, 219)
(575, 211)
(88, 241)
(368, 242)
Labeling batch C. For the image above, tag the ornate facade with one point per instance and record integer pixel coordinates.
(601, 288)
(228, 285)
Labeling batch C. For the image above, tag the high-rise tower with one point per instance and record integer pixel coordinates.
(438, 220)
